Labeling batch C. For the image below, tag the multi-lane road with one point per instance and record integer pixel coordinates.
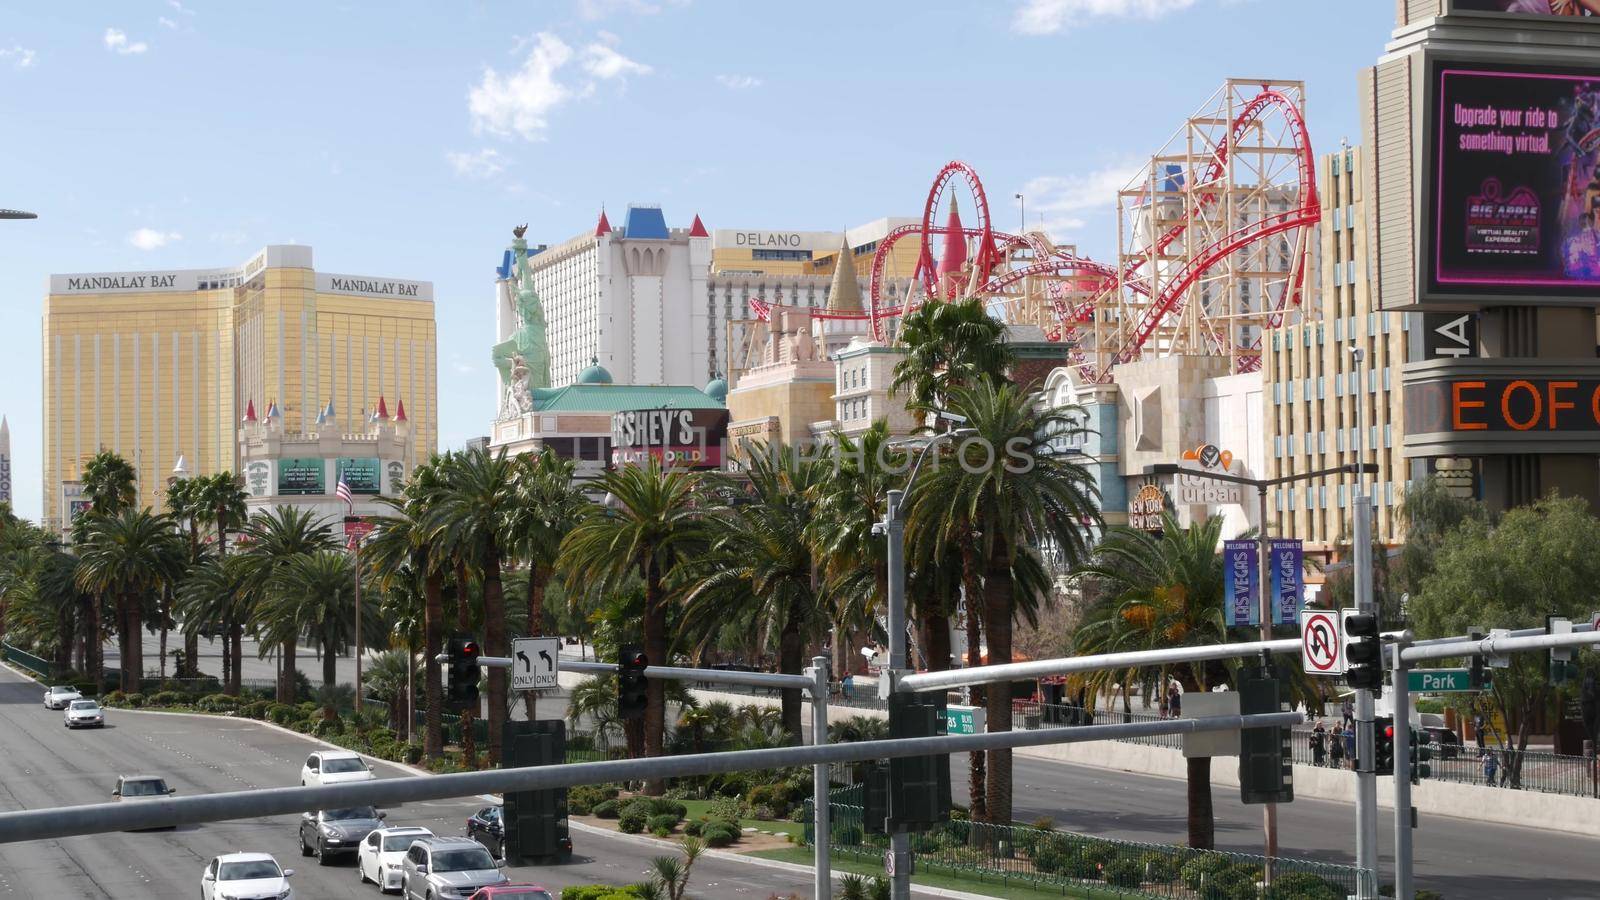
(43, 764)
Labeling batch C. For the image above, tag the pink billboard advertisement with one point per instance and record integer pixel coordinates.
(1530, 7)
(1515, 205)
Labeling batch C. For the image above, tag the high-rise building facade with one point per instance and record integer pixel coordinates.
(157, 365)
(1315, 388)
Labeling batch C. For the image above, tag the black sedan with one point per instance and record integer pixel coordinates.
(336, 831)
(485, 827)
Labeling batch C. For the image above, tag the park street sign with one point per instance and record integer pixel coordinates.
(965, 720)
(535, 663)
(1441, 681)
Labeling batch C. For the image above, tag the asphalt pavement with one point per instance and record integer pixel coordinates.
(43, 764)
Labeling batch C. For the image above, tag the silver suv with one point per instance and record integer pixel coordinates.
(448, 868)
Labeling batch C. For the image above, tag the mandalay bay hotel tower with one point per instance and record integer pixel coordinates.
(164, 365)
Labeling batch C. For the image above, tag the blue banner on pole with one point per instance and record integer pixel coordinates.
(1286, 562)
(1240, 576)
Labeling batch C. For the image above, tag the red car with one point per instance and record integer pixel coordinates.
(519, 891)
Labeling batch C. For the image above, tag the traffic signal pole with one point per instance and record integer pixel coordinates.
(899, 858)
(1366, 743)
(1402, 780)
(821, 826)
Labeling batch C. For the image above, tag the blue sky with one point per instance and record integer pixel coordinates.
(407, 138)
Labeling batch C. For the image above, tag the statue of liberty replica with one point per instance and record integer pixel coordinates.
(523, 359)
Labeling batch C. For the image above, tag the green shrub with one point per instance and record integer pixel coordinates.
(770, 798)
(661, 806)
(800, 815)
(327, 728)
(631, 821)
(1236, 882)
(728, 808)
(257, 709)
(720, 833)
(581, 800)
(280, 713)
(1423, 894)
(1048, 858)
(662, 820)
(693, 827)
(601, 892)
(166, 698)
(134, 700)
(113, 699)
(847, 835)
(1124, 872)
(1161, 866)
(216, 703)
(1205, 865)
(1305, 886)
(661, 831)
(606, 809)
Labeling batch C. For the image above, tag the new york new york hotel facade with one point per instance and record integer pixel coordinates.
(162, 364)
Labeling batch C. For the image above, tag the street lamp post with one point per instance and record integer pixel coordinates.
(893, 527)
(1269, 812)
(1022, 212)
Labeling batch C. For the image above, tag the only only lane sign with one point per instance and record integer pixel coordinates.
(1321, 647)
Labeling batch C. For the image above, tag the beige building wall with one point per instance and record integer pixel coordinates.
(154, 374)
(1312, 382)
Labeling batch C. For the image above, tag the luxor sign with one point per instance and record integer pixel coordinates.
(691, 438)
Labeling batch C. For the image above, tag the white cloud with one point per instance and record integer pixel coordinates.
(166, 22)
(595, 10)
(1065, 200)
(605, 63)
(1052, 16)
(520, 102)
(151, 239)
(229, 236)
(21, 57)
(117, 42)
(485, 163)
(739, 82)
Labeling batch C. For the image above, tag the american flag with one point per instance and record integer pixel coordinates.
(343, 493)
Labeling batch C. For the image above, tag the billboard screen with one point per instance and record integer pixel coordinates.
(1571, 8)
(1515, 185)
(688, 438)
(301, 476)
(359, 473)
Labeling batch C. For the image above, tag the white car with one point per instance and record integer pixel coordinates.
(61, 696)
(334, 767)
(84, 713)
(245, 875)
(382, 855)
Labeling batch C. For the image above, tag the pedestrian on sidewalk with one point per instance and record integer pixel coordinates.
(1175, 701)
(1319, 745)
(1490, 763)
(847, 685)
(1350, 744)
(1336, 748)
(1349, 712)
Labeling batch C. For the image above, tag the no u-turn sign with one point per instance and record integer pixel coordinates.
(1321, 645)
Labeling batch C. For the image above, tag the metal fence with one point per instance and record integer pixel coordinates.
(1023, 857)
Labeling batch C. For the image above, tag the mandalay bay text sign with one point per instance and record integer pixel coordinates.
(1513, 196)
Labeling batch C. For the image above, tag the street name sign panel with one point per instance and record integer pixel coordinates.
(1321, 643)
(965, 720)
(535, 663)
(1441, 681)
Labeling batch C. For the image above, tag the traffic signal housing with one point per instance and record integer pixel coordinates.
(874, 778)
(535, 822)
(1266, 770)
(1476, 678)
(1563, 667)
(1383, 745)
(462, 655)
(1421, 753)
(919, 786)
(1364, 651)
(633, 688)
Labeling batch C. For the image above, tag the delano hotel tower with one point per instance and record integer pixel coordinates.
(161, 365)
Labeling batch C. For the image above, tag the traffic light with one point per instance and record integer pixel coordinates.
(1383, 745)
(1266, 770)
(632, 686)
(1421, 752)
(1475, 677)
(1364, 651)
(874, 797)
(1563, 668)
(535, 822)
(463, 652)
(919, 786)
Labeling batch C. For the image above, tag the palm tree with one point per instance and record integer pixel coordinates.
(127, 556)
(387, 678)
(400, 550)
(110, 483)
(1008, 495)
(468, 518)
(273, 539)
(215, 590)
(219, 500)
(1161, 590)
(760, 564)
(313, 594)
(184, 508)
(549, 503)
(949, 345)
(649, 524)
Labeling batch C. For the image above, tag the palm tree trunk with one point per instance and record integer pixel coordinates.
(289, 665)
(330, 674)
(228, 662)
(93, 650)
(494, 627)
(655, 651)
(936, 642)
(536, 579)
(134, 661)
(469, 744)
(236, 636)
(790, 652)
(191, 655)
(166, 614)
(998, 603)
(432, 690)
(1202, 824)
(119, 612)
